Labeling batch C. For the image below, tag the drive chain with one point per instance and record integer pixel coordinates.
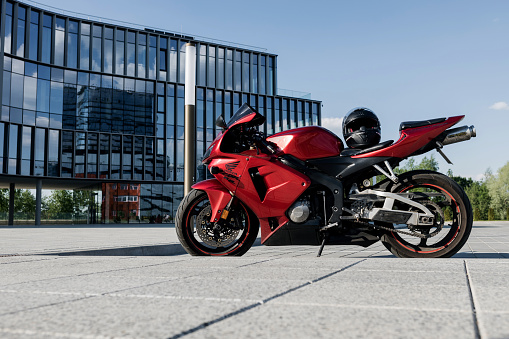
(412, 233)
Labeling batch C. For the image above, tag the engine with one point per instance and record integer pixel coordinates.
(299, 212)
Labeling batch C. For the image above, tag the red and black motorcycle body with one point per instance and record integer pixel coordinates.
(308, 163)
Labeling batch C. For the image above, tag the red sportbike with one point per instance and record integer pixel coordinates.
(301, 187)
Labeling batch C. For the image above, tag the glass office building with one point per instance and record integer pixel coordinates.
(99, 106)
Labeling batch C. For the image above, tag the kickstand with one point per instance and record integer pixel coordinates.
(322, 246)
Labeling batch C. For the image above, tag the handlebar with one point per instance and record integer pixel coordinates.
(267, 146)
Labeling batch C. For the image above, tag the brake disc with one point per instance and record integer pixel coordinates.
(211, 237)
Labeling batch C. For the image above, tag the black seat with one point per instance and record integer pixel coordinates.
(354, 151)
(414, 124)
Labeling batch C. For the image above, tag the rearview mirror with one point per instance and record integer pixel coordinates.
(220, 122)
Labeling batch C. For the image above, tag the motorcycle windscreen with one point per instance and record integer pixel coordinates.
(246, 115)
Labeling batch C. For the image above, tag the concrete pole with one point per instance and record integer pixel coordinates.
(38, 196)
(12, 190)
(190, 118)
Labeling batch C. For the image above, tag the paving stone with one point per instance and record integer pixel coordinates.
(494, 324)
(253, 290)
(379, 295)
(109, 316)
(356, 292)
(15, 301)
(297, 321)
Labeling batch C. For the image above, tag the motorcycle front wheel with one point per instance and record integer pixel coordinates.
(199, 236)
(453, 218)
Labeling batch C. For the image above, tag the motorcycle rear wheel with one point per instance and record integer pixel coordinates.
(453, 234)
(196, 233)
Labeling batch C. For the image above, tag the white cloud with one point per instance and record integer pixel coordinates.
(499, 106)
(333, 124)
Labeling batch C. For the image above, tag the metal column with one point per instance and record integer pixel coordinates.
(190, 118)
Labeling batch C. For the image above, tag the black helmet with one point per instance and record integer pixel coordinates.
(361, 128)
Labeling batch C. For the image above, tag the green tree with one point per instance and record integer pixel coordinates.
(498, 188)
(4, 200)
(58, 203)
(82, 199)
(24, 202)
(430, 164)
(491, 214)
(479, 198)
(477, 214)
(426, 163)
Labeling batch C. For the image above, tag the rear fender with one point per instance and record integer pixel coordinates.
(218, 195)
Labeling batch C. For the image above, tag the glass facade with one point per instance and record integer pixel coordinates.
(104, 105)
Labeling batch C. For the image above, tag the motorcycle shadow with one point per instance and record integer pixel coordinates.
(155, 250)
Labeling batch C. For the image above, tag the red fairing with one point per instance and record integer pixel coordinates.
(284, 186)
(309, 142)
(217, 193)
(413, 139)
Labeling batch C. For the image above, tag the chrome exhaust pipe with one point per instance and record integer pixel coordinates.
(455, 135)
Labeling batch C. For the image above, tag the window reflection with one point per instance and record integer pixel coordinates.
(211, 75)
(131, 48)
(173, 60)
(8, 28)
(85, 46)
(20, 43)
(96, 53)
(46, 38)
(59, 41)
(142, 55)
(34, 35)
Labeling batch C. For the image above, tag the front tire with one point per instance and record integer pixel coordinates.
(452, 236)
(196, 233)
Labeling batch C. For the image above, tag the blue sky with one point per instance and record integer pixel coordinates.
(406, 60)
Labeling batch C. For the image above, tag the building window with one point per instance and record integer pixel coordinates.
(47, 24)
(173, 60)
(34, 35)
(119, 52)
(163, 56)
(152, 57)
(97, 48)
(85, 46)
(72, 44)
(20, 43)
(263, 61)
(8, 28)
(131, 50)
(211, 74)
(142, 55)
(59, 41)
(108, 49)
(245, 72)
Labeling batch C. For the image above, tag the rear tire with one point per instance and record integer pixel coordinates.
(452, 237)
(196, 234)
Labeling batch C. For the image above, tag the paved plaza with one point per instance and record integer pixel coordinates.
(137, 282)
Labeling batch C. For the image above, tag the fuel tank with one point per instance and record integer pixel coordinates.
(310, 142)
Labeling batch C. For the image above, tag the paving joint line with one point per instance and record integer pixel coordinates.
(472, 295)
(260, 303)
